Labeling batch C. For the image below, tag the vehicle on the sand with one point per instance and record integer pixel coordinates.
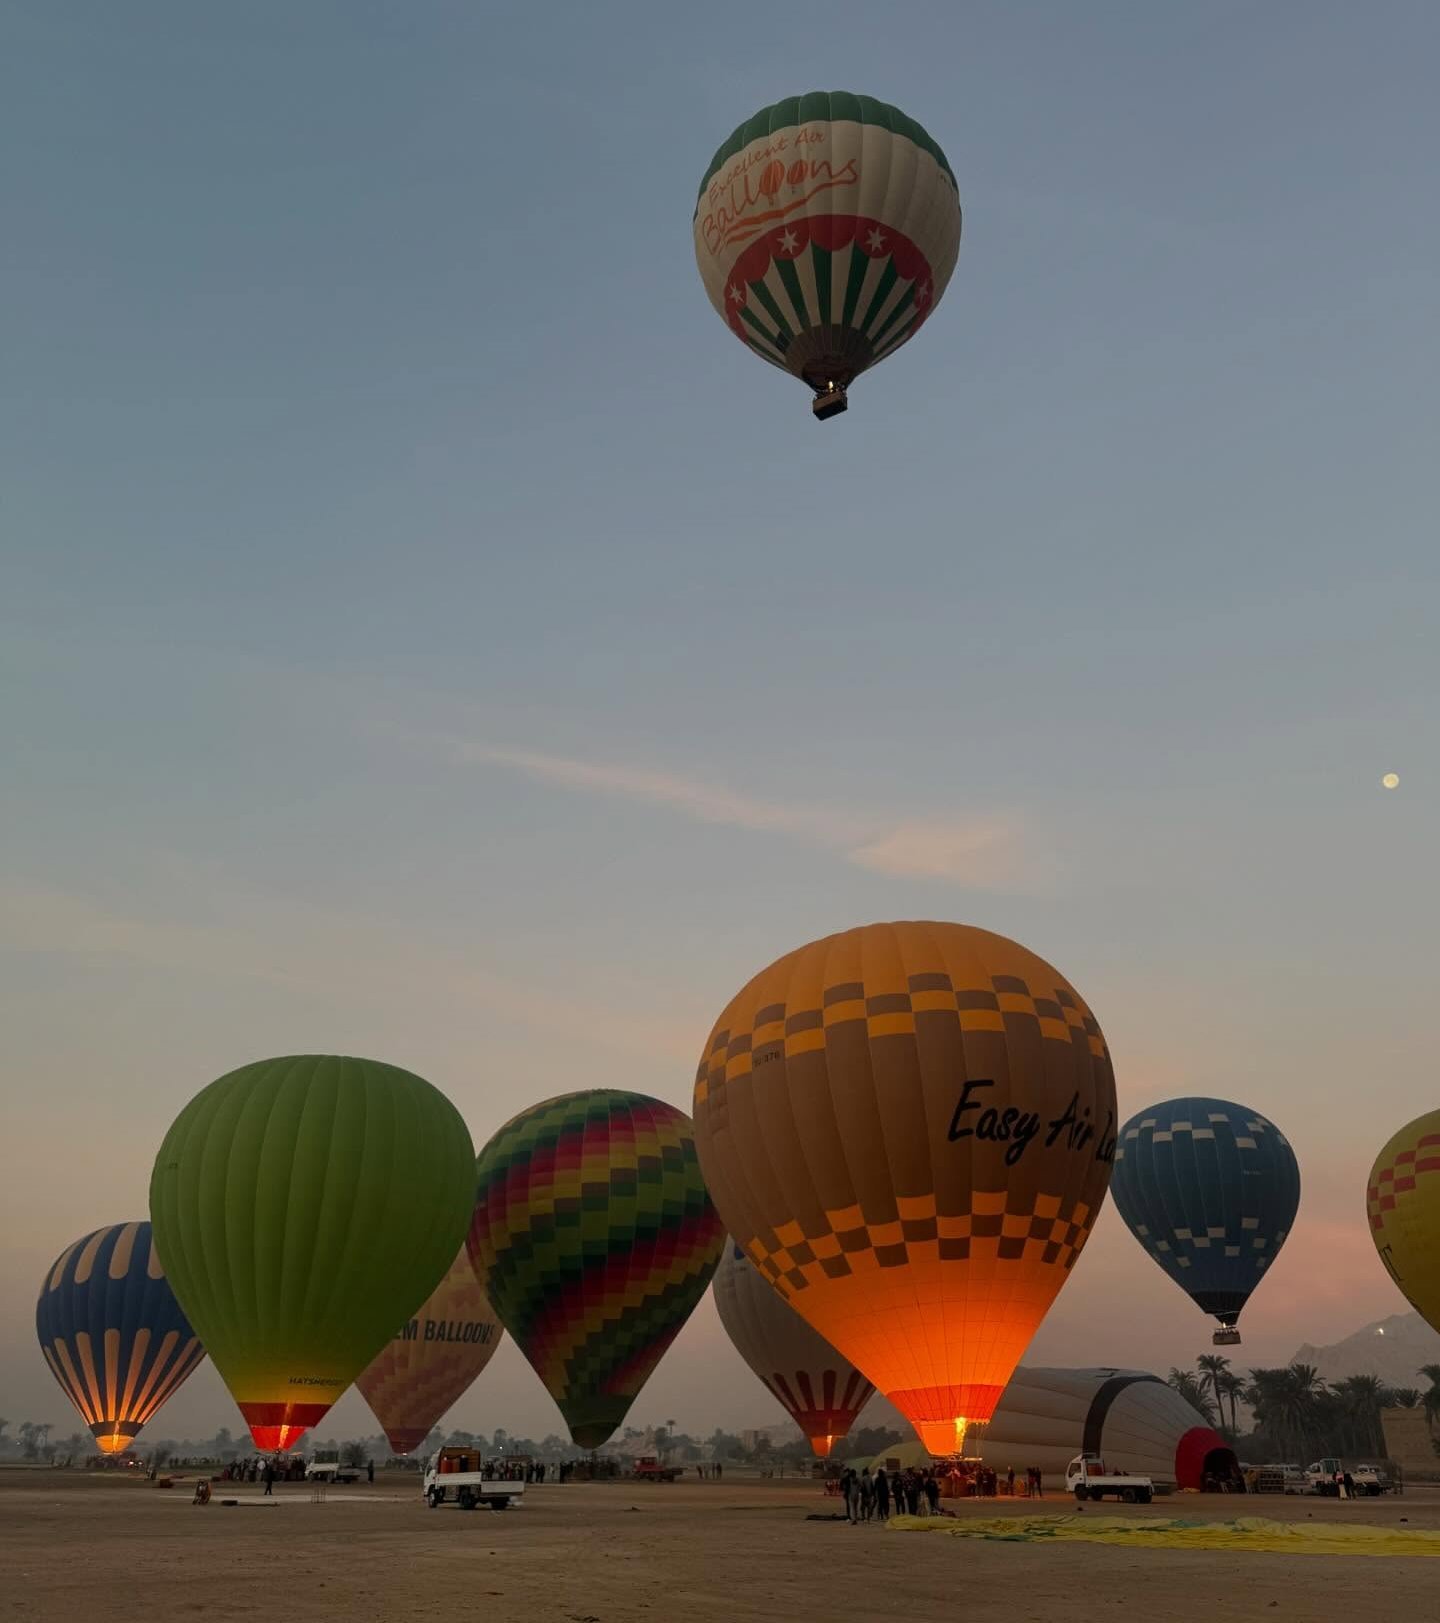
(1087, 1478)
(649, 1469)
(324, 1466)
(1327, 1477)
(458, 1476)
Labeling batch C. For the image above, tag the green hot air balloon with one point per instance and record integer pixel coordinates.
(303, 1208)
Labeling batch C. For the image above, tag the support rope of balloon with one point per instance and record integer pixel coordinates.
(907, 1130)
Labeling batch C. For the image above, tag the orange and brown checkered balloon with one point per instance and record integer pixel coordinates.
(1402, 1203)
(909, 1128)
(431, 1361)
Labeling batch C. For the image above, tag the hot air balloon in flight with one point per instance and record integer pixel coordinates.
(1210, 1190)
(596, 1238)
(826, 230)
(113, 1333)
(820, 1391)
(304, 1207)
(1402, 1202)
(431, 1362)
(908, 1129)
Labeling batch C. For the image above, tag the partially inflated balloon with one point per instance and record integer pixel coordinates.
(1402, 1202)
(826, 230)
(596, 1238)
(820, 1391)
(1210, 1190)
(304, 1207)
(430, 1363)
(909, 1129)
(113, 1333)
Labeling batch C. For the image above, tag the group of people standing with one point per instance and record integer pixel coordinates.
(916, 1492)
(877, 1497)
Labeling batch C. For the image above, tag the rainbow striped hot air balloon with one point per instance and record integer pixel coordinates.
(113, 1333)
(596, 1236)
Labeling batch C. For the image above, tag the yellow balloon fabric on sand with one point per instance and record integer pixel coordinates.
(1254, 1533)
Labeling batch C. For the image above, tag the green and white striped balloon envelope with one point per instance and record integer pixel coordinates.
(826, 230)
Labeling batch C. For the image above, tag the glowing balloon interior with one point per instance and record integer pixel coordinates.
(909, 1128)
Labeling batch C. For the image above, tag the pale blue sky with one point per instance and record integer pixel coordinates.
(427, 633)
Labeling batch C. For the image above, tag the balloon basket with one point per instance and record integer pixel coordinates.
(830, 402)
(1225, 1338)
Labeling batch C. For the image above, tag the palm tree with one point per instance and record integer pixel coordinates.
(1404, 1397)
(1361, 1398)
(1431, 1399)
(1232, 1387)
(1212, 1366)
(1192, 1388)
(1290, 1406)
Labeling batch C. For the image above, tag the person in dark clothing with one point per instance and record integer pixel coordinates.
(932, 1493)
(268, 1477)
(847, 1492)
(867, 1495)
(369, 1470)
(882, 1495)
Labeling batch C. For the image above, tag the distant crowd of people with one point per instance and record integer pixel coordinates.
(711, 1473)
(262, 1468)
(917, 1492)
(518, 1471)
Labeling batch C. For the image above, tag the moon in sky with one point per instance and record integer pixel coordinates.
(1391, 780)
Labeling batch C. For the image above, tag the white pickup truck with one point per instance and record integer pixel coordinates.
(457, 1476)
(1327, 1477)
(1087, 1478)
(324, 1466)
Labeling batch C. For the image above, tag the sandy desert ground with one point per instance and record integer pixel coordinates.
(76, 1546)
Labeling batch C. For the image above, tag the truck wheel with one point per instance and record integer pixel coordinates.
(467, 1499)
(1145, 1496)
(1082, 1493)
(1128, 1495)
(434, 1496)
